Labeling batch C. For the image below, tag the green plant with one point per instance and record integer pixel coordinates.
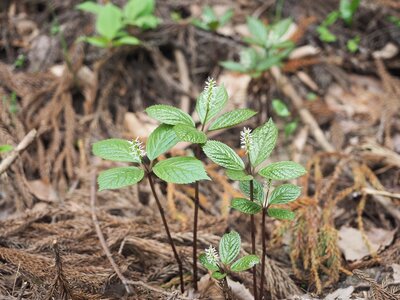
(180, 170)
(394, 20)
(112, 21)
(20, 61)
(282, 110)
(222, 263)
(353, 44)
(258, 145)
(210, 103)
(347, 9)
(267, 47)
(210, 21)
(5, 148)
(13, 103)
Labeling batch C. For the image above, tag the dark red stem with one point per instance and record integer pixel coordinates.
(253, 240)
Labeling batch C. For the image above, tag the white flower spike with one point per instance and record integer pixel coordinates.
(212, 255)
(246, 139)
(137, 149)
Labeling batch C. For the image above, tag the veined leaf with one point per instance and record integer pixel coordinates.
(98, 41)
(232, 118)
(258, 190)
(190, 134)
(245, 263)
(257, 29)
(127, 40)
(109, 21)
(218, 275)
(169, 115)
(238, 175)
(233, 66)
(115, 150)
(160, 141)
(136, 8)
(229, 247)
(119, 177)
(181, 170)
(280, 108)
(5, 148)
(283, 170)
(223, 155)
(264, 140)
(211, 101)
(285, 193)
(245, 206)
(211, 266)
(281, 214)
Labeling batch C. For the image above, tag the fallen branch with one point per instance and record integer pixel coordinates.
(26, 141)
(288, 89)
(101, 236)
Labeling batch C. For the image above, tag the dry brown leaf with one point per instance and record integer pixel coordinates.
(341, 294)
(352, 245)
(42, 190)
(139, 124)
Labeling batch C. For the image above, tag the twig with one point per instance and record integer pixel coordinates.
(288, 89)
(157, 290)
(26, 141)
(23, 288)
(381, 193)
(184, 79)
(101, 236)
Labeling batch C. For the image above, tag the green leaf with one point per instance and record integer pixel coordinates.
(290, 128)
(264, 140)
(229, 247)
(180, 170)
(5, 148)
(257, 29)
(232, 118)
(238, 175)
(211, 266)
(211, 101)
(135, 8)
(281, 214)
(325, 35)
(258, 190)
(331, 18)
(233, 66)
(353, 44)
(245, 206)
(98, 41)
(88, 6)
(280, 108)
(169, 115)
(268, 62)
(127, 40)
(245, 263)
(285, 193)
(225, 18)
(119, 177)
(283, 170)
(115, 150)
(281, 27)
(147, 22)
(190, 134)
(347, 10)
(218, 275)
(223, 155)
(160, 141)
(109, 21)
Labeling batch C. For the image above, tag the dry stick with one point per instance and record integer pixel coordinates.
(263, 239)
(288, 89)
(253, 240)
(101, 236)
(26, 141)
(171, 241)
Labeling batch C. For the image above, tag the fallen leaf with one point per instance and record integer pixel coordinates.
(341, 294)
(42, 190)
(353, 246)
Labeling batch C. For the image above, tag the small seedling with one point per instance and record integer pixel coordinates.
(13, 103)
(224, 262)
(112, 22)
(20, 61)
(179, 170)
(353, 44)
(267, 47)
(258, 145)
(5, 148)
(209, 20)
(346, 12)
(394, 20)
(282, 110)
(209, 104)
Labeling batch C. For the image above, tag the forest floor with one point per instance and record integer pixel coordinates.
(344, 242)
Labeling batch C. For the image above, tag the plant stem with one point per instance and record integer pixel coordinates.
(263, 239)
(253, 240)
(196, 216)
(171, 241)
(226, 289)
